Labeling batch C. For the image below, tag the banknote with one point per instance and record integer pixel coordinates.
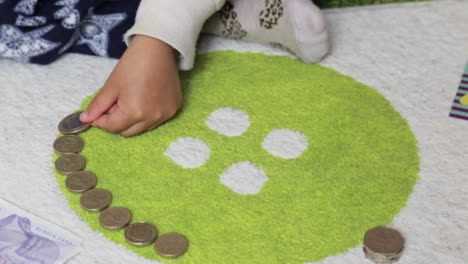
(28, 239)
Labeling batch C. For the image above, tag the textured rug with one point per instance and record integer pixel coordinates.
(413, 54)
(270, 161)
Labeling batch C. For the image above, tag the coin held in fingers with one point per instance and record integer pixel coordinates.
(72, 124)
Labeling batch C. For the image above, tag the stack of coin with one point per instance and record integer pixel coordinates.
(383, 245)
(72, 164)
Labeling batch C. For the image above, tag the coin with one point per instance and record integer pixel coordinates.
(141, 234)
(80, 181)
(115, 218)
(384, 240)
(171, 245)
(464, 100)
(96, 199)
(72, 124)
(70, 163)
(68, 144)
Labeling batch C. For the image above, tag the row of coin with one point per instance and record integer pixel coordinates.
(72, 164)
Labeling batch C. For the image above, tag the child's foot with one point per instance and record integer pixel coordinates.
(297, 25)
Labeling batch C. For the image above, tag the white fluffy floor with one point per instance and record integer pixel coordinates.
(412, 53)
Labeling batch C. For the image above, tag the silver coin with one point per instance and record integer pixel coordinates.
(68, 144)
(384, 240)
(72, 124)
(68, 163)
(80, 181)
(115, 218)
(171, 245)
(141, 234)
(96, 199)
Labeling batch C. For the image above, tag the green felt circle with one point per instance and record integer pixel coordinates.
(358, 171)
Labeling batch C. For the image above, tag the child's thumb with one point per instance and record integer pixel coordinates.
(99, 105)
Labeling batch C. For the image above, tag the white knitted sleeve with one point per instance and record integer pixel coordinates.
(176, 22)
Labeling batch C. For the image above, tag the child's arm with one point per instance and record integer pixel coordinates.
(144, 90)
(176, 22)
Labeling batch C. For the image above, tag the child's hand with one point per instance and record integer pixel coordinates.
(142, 92)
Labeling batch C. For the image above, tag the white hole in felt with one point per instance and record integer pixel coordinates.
(188, 152)
(244, 178)
(285, 143)
(228, 122)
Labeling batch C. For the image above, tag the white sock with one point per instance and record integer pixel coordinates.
(297, 25)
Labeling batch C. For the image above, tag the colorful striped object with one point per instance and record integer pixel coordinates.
(460, 103)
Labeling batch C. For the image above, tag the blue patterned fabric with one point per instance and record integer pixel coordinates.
(39, 31)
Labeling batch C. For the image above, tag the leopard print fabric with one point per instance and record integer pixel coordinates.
(270, 15)
(232, 27)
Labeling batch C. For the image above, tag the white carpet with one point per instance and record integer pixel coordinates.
(412, 53)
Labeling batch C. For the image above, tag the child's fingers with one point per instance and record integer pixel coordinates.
(104, 100)
(115, 122)
(113, 108)
(136, 129)
(153, 126)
